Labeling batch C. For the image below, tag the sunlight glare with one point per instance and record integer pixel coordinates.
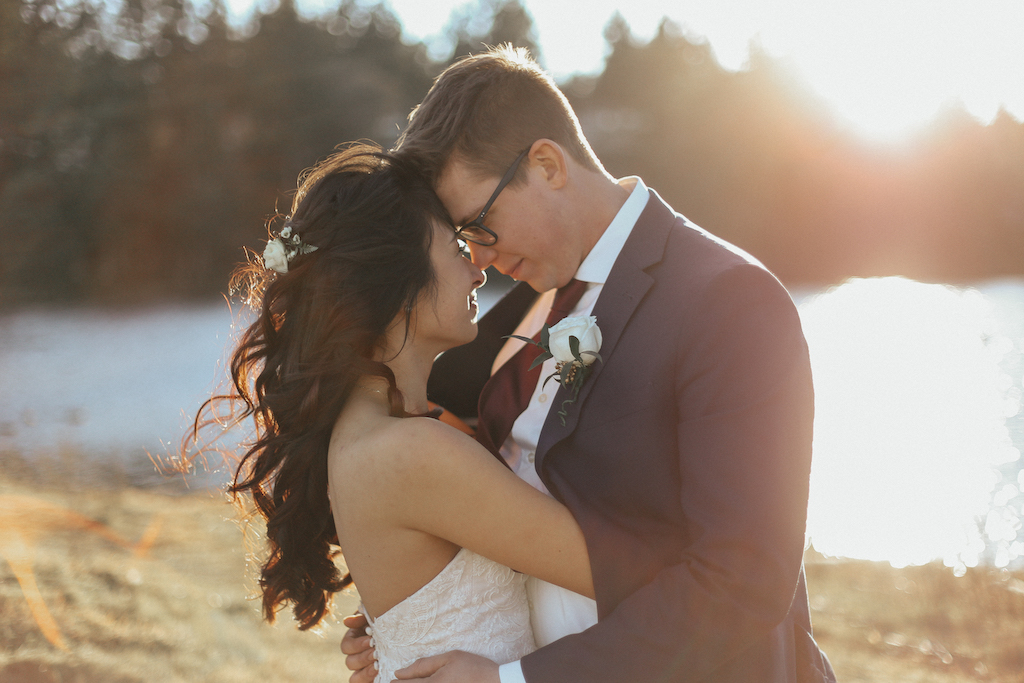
(909, 425)
(887, 68)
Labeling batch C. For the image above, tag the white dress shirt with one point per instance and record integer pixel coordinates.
(554, 611)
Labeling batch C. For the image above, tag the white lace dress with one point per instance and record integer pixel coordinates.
(474, 605)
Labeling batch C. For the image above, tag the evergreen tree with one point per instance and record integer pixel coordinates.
(140, 149)
(141, 143)
(489, 23)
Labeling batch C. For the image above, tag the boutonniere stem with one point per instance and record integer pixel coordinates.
(574, 343)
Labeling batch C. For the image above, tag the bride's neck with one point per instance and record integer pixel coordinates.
(412, 370)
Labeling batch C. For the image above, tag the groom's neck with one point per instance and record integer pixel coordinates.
(596, 199)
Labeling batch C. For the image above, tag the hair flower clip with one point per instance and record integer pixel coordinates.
(282, 249)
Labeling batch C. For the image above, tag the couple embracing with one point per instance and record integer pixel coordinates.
(642, 521)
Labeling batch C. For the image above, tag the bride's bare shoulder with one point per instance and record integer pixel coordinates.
(407, 447)
(421, 441)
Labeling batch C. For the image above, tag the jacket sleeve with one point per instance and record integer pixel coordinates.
(743, 412)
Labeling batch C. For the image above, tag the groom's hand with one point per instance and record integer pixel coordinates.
(451, 667)
(361, 657)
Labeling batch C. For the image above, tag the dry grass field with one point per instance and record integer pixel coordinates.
(917, 624)
(179, 610)
(151, 584)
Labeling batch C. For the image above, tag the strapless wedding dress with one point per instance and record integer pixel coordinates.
(474, 605)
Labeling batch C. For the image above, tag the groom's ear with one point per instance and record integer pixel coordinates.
(549, 159)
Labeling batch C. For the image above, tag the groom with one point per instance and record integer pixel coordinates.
(685, 457)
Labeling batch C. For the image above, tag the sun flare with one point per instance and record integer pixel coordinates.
(887, 68)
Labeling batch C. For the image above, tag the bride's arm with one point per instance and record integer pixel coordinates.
(451, 487)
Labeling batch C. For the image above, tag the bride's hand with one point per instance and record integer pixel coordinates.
(361, 657)
(451, 667)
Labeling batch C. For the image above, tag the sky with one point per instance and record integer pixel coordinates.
(886, 67)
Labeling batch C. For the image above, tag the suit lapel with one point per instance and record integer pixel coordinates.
(627, 284)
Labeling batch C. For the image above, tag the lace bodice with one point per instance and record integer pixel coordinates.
(473, 604)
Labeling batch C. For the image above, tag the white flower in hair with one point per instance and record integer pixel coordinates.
(275, 256)
(283, 248)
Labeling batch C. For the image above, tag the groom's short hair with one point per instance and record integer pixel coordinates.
(487, 108)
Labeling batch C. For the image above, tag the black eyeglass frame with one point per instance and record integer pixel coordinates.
(489, 238)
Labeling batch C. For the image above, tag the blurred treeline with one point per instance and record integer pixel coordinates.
(142, 144)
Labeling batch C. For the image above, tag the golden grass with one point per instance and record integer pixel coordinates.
(917, 624)
(179, 613)
(182, 611)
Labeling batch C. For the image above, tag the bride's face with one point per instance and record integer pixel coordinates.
(448, 314)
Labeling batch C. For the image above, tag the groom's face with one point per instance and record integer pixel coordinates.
(533, 245)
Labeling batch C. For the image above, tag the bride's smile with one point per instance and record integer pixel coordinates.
(446, 313)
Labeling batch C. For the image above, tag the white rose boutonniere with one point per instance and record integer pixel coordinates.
(582, 328)
(574, 343)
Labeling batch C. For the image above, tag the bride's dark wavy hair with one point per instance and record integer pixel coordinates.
(318, 330)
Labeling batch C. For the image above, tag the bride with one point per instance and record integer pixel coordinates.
(364, 285)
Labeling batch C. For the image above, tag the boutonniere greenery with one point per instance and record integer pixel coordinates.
(574, 343)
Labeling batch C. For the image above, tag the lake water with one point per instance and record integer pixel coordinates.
(918, 427)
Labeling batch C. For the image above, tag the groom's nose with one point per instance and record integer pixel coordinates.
(482, 256)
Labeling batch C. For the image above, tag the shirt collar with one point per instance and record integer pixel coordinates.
(598, 264)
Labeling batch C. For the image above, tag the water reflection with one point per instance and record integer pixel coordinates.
(918, 393)
(911, 425)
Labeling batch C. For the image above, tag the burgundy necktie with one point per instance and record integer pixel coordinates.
(508, 391)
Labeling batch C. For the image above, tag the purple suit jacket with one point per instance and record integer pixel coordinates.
(685, 461)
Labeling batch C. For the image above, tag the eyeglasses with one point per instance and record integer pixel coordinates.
(475, 231)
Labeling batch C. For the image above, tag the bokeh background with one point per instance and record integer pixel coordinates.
(871, 154)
